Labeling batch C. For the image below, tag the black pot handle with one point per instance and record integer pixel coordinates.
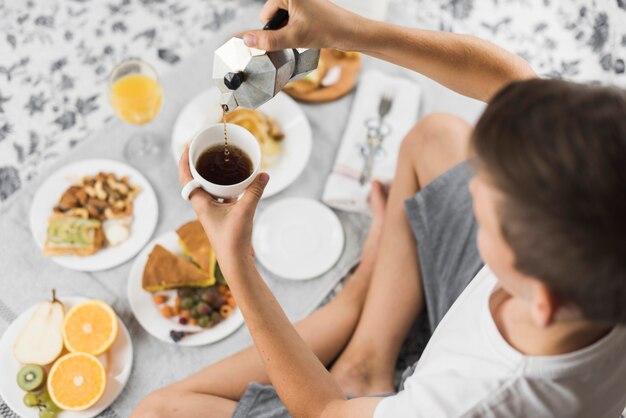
(277, 21)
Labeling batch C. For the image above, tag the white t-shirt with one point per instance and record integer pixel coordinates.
(469, 370)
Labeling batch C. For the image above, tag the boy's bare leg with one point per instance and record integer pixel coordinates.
(217, 388)
(437, 143)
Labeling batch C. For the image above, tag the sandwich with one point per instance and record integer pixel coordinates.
(68, 235)
(165, 270)
(196, 245)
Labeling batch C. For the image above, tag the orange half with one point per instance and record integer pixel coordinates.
(90, 327)
(76, 381)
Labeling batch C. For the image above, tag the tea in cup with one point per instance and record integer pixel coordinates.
(224, 170)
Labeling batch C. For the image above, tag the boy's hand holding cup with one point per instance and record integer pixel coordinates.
(228, 224)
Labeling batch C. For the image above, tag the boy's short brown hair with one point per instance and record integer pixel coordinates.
(557, 151)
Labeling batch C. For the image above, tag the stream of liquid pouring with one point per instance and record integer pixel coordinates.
(226, 151)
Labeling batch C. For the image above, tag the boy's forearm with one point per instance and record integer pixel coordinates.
(465, 64)
(302, 382)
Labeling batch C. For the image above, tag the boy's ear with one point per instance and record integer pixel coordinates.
(544, 304)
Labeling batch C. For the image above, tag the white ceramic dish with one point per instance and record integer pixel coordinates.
(148, 314)
(118, 361)
(298, 238)
(205, 110)
(145, 213)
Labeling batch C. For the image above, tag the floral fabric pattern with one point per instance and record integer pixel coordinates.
(579, 40)
(56, 55)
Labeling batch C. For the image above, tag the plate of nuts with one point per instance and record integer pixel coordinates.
(93, 214)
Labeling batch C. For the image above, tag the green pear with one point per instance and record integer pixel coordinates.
(41, 340)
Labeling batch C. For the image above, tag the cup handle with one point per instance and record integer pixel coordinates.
(188, 188)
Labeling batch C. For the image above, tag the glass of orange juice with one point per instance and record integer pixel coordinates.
(136, 96)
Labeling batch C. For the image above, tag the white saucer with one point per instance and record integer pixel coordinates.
(145, 213)
(205, 110)
(148, 314)
(118, 362)
(298, 238)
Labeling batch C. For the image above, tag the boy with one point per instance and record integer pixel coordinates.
(536, 332)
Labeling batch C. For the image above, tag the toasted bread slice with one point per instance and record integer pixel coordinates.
(196, 245)
(165, 270)
(73, 236)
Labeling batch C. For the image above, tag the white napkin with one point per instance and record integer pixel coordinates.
(343, 190)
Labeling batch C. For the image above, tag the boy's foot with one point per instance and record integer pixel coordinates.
(357, 373)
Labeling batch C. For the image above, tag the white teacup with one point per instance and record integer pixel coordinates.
(214, 135)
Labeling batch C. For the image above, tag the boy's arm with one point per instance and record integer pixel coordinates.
(465, 64)
(302, 382)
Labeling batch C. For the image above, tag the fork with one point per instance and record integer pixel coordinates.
(375, 137)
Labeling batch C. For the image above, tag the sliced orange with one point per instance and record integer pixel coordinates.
(76, 381)
(90, 327)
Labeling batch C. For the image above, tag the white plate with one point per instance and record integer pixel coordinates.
(148, 314)
(205, 110)
(145, 213)
(118, 361)
(298, 238)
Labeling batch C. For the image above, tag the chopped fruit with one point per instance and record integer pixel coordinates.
(76, 381)
(176, 336)
(167, 311)
(30, 377)
(216, 318)
(203, 309)
(41, 340)
(90, 327)
(47, 413)
(30, 399)
(219, 301)
(45, 401)
(207, 295)
(160, 299)
(190, 304)
(225, 311)
(47, 408)
(204, 321)
(43, 397)
(187, 303)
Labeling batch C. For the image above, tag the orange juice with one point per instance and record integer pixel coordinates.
(136, 98)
